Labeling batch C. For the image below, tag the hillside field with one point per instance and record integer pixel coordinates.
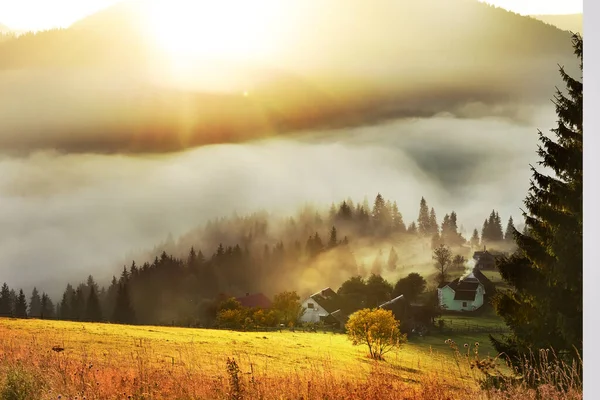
(104, 361)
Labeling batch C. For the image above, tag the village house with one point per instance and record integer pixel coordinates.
(323, 306)
(465, 294)
(484, 260)
(257, 300)
(413, 316)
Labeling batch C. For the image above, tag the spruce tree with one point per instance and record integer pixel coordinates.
(123, 312)
(35, 304)
(397, 220)
(93, 313)
(434, 228)
(510, 228)
(13, 301)
(377, 267)
(545, 309)
(475, 239)
(5, 303)
(412, 228)
(423, 218)
(392, 261)
(332, 238)
(47, 307)
(21, 305)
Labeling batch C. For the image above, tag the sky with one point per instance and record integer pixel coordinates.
(49, 14)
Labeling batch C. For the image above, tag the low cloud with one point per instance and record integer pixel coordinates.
(65, 216)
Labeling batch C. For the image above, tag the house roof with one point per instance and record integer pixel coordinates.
(257, 300)
(465, 295)
(340, 316)
(392, 301)
(328, 299)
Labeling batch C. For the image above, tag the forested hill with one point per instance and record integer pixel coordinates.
(179, 281)
(417, 60)
(567, 22)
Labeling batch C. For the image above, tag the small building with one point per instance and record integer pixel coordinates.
(484, 260)
(462, 294)
(412, 316)
(323, 306)
(257, 300)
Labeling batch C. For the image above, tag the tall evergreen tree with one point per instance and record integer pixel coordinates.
(412, 229)
(5, 303)
(93, 311)
(66, 311)
(423, 220)
(475, 239)
(381, 215)
(397, 220)
(35, 304)
(510, 228)
(21, 305)
(123, 312)
(545, 309)
(377, 267)
(13, 301)
(333, 241)
(392, 261)
(434, 228)
(47, 307)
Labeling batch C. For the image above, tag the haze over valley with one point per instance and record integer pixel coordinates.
(114, 137)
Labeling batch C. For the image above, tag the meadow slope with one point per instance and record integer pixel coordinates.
(105, 361)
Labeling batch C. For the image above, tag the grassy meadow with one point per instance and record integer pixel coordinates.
(105, 361)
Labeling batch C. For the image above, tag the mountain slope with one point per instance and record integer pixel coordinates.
(113, 91)
(567, 22)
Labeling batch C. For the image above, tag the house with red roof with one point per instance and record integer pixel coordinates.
(256, 300)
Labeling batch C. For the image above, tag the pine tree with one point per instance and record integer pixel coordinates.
(93, 312)
(510, 228)
(332, 238)
(332, 213)
(412, 229)
(377, 267)
(446, 230)
(545, 309)
(21, 305)
(392, 261)
(475, 239)
(66, 312)
(13, 301)
(5, 303)
(434, 228)
(47, 307)
(35, 304)
(423, 220)
(123, 312)
(397, 220)
(381, 215)
(344, 212)
(485, 232)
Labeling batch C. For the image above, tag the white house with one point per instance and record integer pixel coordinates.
(321, 305)
(466, 294)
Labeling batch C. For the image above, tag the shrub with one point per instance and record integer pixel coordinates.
(19, 384)
(377, 328)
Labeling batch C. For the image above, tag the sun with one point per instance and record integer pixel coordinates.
(208, 29)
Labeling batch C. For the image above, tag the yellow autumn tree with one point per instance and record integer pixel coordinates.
(377, 328)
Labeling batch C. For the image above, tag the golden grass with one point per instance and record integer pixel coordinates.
(105, 361)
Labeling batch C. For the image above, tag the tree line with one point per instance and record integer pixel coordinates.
(179, 290)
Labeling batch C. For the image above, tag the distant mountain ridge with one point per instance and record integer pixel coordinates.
(566, 22)
(370, 63)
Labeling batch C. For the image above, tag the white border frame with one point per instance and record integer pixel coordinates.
(591, 198)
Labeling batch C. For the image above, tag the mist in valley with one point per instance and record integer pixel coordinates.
(108, 148)
(68, 215)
